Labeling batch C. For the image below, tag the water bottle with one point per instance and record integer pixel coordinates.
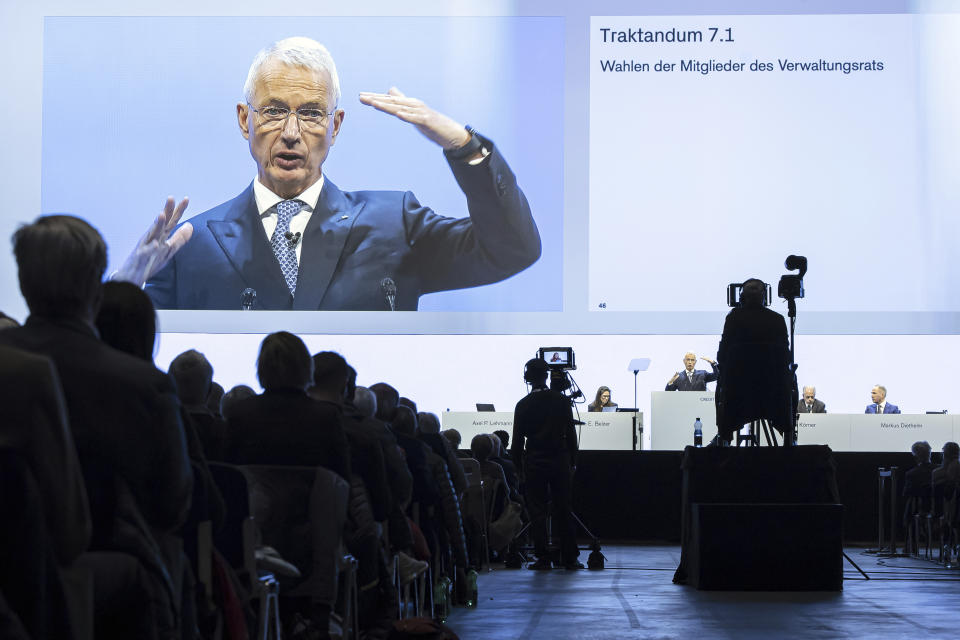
(472, 589)
(441, 599)
(697, 433)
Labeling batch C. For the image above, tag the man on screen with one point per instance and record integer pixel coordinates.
(293, 240)
(809, 403)
(691, 379)
(880, 405)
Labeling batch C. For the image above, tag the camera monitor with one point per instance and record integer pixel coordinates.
(557, 357)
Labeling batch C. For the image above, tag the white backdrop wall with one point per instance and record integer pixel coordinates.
(457, 371)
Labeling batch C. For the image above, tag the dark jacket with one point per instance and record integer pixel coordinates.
(125, 420)
(400, 482)
(288, 427)
(449, 507)
(699, 382)
(353, 240)
(755, 380)
(543, 427)
(441, 446)
(33, 420)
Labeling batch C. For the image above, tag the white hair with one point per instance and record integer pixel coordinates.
(295, 52)
(811, 387)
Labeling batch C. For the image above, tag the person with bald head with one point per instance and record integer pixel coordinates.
(293, 240)
(690, 379)
(809, 403)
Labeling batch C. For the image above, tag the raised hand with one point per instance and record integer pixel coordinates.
(157, 245)
(445, 131)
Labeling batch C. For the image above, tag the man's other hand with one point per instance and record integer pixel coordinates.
(157, 246)
(445, 131)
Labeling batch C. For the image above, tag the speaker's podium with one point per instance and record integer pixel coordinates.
(761, 519)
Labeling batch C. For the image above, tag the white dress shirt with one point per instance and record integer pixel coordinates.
(267, 202)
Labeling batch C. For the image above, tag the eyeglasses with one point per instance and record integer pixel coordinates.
(273, 117)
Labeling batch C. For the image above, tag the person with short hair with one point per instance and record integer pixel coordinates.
(880, 405)
(690, 379)
(544, 450)
(809, 402)
(754, 356)
(946, 477)
(193, 375)
(301, 243)
(917, 481)
(283, 425)
(230, 399)
(124, 417)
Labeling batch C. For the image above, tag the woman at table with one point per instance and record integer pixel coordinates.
(602, 400)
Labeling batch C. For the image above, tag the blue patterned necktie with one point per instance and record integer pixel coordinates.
(283, 247)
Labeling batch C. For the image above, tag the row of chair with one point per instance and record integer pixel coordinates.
(934, 518)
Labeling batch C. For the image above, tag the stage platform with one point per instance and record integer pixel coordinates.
(634, 496)
(634, 598)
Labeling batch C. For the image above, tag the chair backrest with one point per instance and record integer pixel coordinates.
(236, 494)
(471, 469)
(301, 512)
(29, 581)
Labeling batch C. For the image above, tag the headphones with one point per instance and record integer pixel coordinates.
(535, 371)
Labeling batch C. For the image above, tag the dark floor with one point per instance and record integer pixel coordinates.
(635, 598)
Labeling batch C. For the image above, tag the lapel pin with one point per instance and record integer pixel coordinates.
(344, 217)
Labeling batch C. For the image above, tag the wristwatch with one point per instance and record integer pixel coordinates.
(472, 148)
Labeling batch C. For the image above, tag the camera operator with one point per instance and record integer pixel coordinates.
(754, 359)
(544, 422)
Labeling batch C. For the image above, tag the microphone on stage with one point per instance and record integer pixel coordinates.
(293, 239)
(389, 288)
(247, 299)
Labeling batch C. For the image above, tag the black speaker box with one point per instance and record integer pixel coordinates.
(766, 547)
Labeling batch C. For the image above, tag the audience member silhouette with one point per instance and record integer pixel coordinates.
(127, 320)
(285, 426)
(125, 420)
(37, 446)
(429, 432)
(230, 399)
(946, 477)
(917, 481)
(193, 375)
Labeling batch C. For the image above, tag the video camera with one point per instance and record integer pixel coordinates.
(791, 286)
(559, 361)
(735, 291)
(558, 358)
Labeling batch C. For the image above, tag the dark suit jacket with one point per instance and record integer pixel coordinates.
(755, 380)
(887, 408)
(818, 407)
(699, 383)
(353, 241)
(917, 481)
(125, 420)
(288, 427)
(33, 420)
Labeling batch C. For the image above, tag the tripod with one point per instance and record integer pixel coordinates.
(790, 434)
(596, 558)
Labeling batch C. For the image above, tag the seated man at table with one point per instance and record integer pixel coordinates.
(809, 403)
(880, 405)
